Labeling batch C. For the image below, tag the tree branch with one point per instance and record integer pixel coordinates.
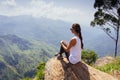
(111, 26)
(112, 13)
(108, 34)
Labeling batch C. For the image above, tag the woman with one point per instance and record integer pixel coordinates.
(73, 49)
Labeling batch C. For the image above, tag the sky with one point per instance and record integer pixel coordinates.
(79, 11)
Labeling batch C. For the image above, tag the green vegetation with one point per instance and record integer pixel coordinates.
(115, 65)
(107, 17)
(89, 56)
(26, 79)
(39, 74)
(40, 71)
(19, 57)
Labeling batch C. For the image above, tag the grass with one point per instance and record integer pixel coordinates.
(109, 68)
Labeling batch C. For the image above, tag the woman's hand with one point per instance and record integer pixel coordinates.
(62, 41)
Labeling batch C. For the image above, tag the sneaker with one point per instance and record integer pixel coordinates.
(57, 54)
(59, 57)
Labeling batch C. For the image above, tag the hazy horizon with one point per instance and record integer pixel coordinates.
(80, 11)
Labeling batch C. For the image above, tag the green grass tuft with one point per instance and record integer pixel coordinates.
(115, 65)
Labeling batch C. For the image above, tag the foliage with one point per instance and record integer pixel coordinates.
(89, 56)
(19, 57)
(107, 17)
(40, 71)
(111, 66)
(26, 79)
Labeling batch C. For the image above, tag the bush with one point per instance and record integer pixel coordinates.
(26, 78)
(89, 56)
(40, 71)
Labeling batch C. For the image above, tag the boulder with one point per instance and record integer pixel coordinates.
(61, 69)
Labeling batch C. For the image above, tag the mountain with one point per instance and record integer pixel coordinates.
(53, 31)
(43, 29)
(19, 57)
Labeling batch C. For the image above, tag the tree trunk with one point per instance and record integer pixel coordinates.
(117, 37)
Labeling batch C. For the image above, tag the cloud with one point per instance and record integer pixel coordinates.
(54, 12)
(40, 8)
(9, 3)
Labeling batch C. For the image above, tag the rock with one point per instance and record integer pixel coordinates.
(104, 60)
(116, 74)
(56, 69)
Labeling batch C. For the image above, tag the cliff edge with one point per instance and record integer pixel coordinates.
(61, 69)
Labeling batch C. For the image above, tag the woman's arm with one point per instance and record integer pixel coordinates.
(71, 44)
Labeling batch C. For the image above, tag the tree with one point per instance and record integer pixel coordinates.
(89, 56)
(107, 17)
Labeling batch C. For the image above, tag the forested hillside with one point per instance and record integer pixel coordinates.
(19, 57)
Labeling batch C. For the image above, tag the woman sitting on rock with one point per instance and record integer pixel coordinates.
(74, 47)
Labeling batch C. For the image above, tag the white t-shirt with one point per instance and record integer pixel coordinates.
(75, 51)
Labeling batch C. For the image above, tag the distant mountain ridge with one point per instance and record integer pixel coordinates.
(19, 57)
(21, 43)
(53, 31)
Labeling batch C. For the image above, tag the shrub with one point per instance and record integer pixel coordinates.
(40, 71)
(26, 78)
(89, 56)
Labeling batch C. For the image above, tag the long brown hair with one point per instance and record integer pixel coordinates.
(77, 28)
